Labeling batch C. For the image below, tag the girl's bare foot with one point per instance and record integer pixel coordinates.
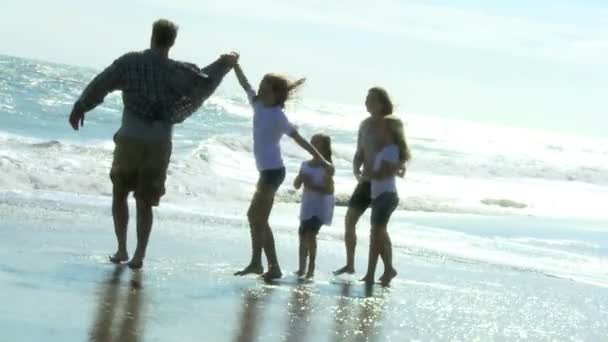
(386, 278)
(272, 274)
(368, 279)
(119, 257)
(346, 269)
(251, 269)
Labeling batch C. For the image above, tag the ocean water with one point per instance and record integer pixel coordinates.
(505, 236)
(458, 167)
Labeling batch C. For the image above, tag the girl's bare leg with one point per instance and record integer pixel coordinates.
(312, 248)
(303, 252)
(258, 213)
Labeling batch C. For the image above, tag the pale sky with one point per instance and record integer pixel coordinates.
(539, 64)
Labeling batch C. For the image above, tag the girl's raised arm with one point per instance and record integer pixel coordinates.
(240, 76)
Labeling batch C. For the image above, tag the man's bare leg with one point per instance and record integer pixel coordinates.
(350, 240)
(144, 227)
(120, 214)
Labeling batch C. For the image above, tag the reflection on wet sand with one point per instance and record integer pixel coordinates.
(370, 316)
(358, 314)
(250, 317)
(299, 307)
(342, 313)
(118, 319)
(362, 327)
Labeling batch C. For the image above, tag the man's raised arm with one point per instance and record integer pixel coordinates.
(93, 95)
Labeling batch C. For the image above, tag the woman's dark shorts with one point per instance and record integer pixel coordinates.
(312, 225)
(362, 197)
(383, 207)
(272, 178)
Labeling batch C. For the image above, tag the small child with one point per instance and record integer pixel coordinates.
(317, 203)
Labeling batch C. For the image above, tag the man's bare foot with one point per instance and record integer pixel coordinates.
(119, 257)
(272, 274)
(346, 269)
(135, 264)
(368, 279)
(385, 279)
(251, 269)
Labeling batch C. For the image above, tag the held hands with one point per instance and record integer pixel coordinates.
(231, 58)
(76, 118)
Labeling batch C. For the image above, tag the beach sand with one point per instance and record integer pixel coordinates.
(57, 284)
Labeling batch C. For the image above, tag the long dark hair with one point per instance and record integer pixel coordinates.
(394, 126)
(385, 99)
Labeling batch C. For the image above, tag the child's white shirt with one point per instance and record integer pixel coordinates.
(316, 203)
(390, 154)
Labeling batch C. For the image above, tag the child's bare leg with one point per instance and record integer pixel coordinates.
(144, 228)
(312, 248)
(303, 253)
(120, 214)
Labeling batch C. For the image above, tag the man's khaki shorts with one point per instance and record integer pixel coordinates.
(141, 166)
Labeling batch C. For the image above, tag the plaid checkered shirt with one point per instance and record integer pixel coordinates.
(154, 87)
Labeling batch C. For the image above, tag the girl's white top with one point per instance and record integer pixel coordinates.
(389, 154)
(316, 203)
(269, 126)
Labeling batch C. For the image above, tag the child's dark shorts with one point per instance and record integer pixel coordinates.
(312, 225)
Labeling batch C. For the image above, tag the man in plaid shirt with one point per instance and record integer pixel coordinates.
(157, 93)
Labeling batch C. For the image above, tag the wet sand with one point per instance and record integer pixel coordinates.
(57, 285)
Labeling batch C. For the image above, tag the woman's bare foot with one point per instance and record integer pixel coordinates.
(272, 274)
(135, 264)
(386, 278)
(368, 279)
(250, 269)
(346, 269)
(119, 257)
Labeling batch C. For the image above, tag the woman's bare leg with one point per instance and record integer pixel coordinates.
(387, 251)
(350, 240)
(376, 242)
